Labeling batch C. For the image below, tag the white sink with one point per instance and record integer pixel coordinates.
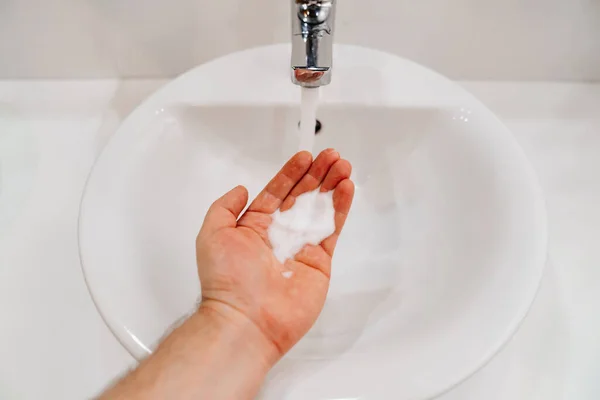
(441, 257)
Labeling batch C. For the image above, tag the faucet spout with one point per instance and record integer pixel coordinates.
(312, 42)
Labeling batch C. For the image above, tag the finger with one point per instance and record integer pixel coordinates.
(341, 170)
(342, 201)
(276, 191)
(309, 182)
(224, 212)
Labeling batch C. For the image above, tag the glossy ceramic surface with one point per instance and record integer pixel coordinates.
(441, 257)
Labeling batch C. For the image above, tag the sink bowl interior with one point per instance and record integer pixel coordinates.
(419, 210)
(438, 263)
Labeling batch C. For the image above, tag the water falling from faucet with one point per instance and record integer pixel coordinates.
(308, 118)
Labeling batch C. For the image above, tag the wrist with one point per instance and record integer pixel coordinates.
(240, 333)
(217, 354)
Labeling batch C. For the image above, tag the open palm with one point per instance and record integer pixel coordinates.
(239, 274)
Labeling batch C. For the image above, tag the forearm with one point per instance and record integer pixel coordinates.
(213, 355)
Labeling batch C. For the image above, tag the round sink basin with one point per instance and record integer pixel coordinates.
(443, 250)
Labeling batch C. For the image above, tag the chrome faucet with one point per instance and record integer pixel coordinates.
(312, 41)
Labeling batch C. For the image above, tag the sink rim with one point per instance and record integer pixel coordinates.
(155, 102)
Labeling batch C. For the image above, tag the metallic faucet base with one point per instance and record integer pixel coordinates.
(311, 77)
(312, 42)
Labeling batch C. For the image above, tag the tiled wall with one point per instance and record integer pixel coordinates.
(465, 39)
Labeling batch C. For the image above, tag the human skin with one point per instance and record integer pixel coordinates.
(250, 314)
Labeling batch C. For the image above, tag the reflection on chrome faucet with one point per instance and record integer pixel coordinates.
(312, 41)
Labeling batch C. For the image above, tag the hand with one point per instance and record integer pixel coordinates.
(240, 277)
(250, 313)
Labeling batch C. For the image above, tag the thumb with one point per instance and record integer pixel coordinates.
(224, 212)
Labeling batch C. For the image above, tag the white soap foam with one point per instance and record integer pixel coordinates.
(287, 274)
(309, 221)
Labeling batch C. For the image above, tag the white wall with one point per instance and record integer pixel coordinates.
(465, 39)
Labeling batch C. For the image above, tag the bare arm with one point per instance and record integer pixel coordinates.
(216, 354)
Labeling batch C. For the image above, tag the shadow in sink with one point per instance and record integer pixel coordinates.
(270, 133)
(353, 304)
